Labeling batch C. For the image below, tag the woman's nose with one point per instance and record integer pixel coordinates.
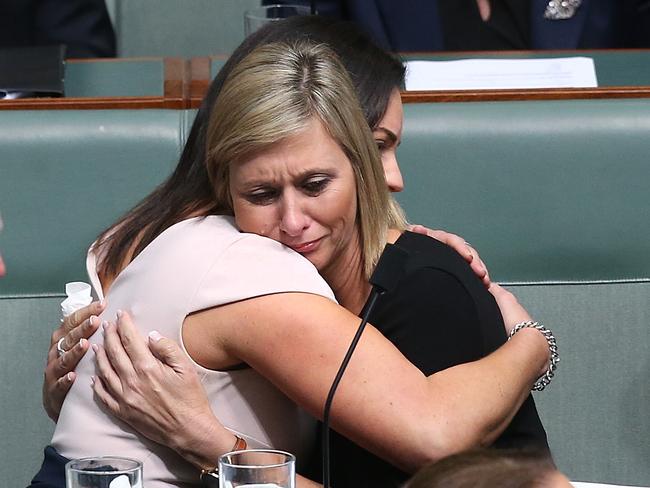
(393, 174)
(293, 220)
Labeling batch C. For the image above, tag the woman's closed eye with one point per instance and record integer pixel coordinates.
(315, 185)
(381, 144)
(262, 196)
(387, 145)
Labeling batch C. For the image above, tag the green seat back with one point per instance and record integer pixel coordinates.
(183, 29)
(553, 194)
(64, 176)
(552, 190)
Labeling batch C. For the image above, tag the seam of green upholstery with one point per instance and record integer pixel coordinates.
(32, 295)
(575, 282)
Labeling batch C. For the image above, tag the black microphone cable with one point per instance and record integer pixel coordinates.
(387, 273)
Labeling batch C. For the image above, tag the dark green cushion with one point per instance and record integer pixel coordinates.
(596, 409)
(550, 190)
(547, 191)
(117, 78)
(27, 326)
(66, 175)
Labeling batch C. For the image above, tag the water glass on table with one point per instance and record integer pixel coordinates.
(257, 468)
(103, 472)
(257, 17)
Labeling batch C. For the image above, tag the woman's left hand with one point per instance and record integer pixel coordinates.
(461, 246)
(155, 389)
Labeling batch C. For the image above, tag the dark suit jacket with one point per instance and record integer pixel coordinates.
(82, 25)
(437, 25)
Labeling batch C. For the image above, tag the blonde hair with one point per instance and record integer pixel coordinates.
(275, 92)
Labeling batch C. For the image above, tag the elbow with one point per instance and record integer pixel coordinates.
(452, 435)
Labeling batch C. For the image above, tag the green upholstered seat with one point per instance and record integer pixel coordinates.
(117, 78)
(66, 175)
(547, 191)
(173, 28)
(553, 194)
(596, 409)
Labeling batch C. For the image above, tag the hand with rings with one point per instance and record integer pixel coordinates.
(68, 344)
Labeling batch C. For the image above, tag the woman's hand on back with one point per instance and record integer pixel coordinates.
(153, 386)
(59, 375)
(461, 246)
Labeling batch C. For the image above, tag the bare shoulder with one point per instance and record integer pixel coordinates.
(246, 330)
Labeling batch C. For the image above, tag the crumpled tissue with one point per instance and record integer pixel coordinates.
(79, 296)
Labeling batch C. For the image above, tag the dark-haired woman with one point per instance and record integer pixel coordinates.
(446, 323)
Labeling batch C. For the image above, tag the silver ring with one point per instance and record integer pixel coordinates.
(59, 347)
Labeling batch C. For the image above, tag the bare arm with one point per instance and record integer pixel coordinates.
(139, 382)
(424, 418)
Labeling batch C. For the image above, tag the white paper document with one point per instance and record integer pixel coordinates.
(477, 74)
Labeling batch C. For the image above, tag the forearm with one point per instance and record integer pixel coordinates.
(208, 439)
(482, 397)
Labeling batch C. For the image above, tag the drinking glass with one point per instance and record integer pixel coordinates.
(257, 17)
(103, 472)
(257, 468)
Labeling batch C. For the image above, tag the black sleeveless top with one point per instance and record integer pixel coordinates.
(463, 29)
(439, 316)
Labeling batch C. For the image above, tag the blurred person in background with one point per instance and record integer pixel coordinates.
(479, 25)
(377, 77)
(486, 468)
(84, 26)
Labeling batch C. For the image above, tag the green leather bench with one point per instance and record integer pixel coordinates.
(64, 176)
(553, 194)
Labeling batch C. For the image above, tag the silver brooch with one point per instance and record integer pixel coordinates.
(561, 9)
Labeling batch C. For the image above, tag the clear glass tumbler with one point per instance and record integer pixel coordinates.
(103, 472)
(257, 17)
(257, 468)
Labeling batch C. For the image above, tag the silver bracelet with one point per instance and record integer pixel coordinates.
(546, 378)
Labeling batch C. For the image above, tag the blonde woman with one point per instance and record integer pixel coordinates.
(291, 159)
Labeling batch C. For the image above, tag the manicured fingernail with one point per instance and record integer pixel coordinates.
(92, 380)
(105, 324)
(102, 303)
(155, 336)
(82, 342)
(68, 377)
(92, 319)
(95, 347)
(119, 314)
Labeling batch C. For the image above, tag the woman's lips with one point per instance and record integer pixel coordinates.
(305, 247)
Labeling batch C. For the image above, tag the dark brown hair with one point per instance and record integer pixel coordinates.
(187, 191)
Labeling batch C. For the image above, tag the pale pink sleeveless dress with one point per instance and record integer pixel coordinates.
(196, 264)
